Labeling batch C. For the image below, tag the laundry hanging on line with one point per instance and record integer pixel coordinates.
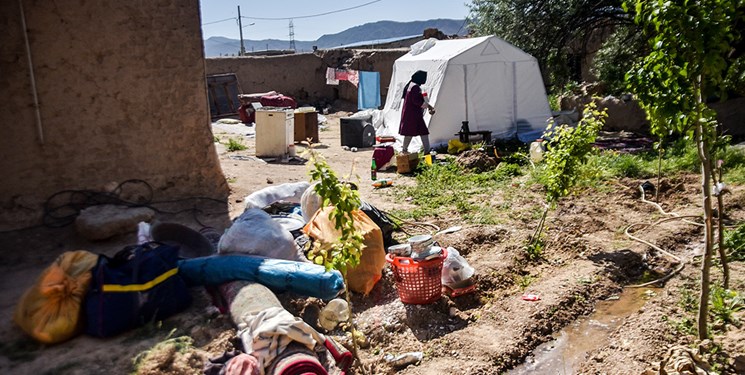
(333, 76)
(368, 93)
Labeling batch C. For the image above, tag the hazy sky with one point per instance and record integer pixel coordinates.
(313, 28)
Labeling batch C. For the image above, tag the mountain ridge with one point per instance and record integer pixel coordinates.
(223, 46)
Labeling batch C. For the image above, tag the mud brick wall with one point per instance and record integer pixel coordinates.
(122, 96)
(303, 75)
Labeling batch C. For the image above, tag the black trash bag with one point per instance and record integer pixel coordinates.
(386, 224)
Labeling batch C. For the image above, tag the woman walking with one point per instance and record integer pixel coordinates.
(412, 114)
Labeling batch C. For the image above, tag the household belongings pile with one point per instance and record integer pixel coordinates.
(104, 296)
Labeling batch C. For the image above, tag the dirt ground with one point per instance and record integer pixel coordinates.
(588, 260)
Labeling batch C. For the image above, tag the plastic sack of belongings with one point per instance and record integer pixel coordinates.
(363, 277)
(50, 311)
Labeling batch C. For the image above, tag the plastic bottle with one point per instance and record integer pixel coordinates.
(335, 312)
(373, 170)
(385, 182)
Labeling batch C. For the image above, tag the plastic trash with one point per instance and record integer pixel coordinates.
(404, 360)
(143, 233)
(289, 192)
(335, 312)
(455, 269)
(310, 202)
(531, 297)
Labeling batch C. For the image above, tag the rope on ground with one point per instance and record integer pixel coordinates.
(676, 258)
(644, 199)
(424, 225)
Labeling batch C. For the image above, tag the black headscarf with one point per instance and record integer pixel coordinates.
(420, 77)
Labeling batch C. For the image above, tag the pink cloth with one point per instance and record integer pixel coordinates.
(382, 156)
(412, 116)
(348, 75)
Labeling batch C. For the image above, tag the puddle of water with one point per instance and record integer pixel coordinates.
(573, 343)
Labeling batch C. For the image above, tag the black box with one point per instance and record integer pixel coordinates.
(357, 131)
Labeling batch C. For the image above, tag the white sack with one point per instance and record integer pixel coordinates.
(256, 233)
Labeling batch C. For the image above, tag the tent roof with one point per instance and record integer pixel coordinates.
(445, 50)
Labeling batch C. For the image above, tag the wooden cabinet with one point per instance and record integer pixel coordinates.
(306, 126)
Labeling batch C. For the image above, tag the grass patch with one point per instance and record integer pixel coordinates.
(235, 145)
(443, 188)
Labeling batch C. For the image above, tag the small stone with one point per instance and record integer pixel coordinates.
(269, 181)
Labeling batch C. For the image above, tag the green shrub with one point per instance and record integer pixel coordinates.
(235, 145)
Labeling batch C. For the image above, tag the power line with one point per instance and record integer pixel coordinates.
(312, 15)
(210, 23)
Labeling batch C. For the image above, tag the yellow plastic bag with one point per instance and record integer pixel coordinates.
(363, 277)
(455, 146)
(50, 311)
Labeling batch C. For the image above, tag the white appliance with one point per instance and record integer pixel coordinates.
(274, 131)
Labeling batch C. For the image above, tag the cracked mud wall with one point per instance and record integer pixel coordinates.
(303, 75)
(122, 96)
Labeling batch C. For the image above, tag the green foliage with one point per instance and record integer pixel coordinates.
(553, 102)
(688, 300)
(235, 145)
(734, 242)
(524, 281)
(534, 249)
(685, 326)
(344, 201)
(554, 31)
(724, 303)
(689, 42)
(442, 188)
(616, 57)
(568, 148)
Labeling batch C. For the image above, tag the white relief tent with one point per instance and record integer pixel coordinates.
(486, 81)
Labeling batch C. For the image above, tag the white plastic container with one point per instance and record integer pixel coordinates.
(537, 149)
(335, 312)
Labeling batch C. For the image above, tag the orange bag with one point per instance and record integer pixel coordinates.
(363, 277)
(50, 311)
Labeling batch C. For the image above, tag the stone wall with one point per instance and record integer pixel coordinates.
(303, 75)
(122, 96)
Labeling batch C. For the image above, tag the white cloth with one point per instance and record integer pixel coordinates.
(266, 334)
(331, 77)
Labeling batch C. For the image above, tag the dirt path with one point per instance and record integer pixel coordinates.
(587, 259)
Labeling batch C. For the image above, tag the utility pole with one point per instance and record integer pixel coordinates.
(240, 28)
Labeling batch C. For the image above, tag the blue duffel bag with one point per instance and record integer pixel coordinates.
(140, 284)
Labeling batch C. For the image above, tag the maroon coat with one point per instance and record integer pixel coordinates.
(412, 113)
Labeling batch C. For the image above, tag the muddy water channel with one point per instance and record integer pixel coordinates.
(573, 343)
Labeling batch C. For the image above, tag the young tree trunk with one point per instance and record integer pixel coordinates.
(720, 238)
(702, 141)
(720, 228)
(539, 229)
